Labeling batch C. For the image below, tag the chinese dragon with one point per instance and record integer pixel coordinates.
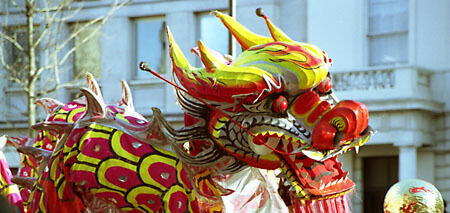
(270, 108)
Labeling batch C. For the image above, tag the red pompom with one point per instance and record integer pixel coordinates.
(325, 86)
(280, 104)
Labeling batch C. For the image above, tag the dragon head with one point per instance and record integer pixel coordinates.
(272, 107)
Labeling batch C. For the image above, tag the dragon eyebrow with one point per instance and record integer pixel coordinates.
(270, 82)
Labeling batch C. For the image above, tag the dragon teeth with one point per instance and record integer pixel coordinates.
(356, 149)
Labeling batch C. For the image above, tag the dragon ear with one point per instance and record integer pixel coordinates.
(244, 36)
(49, 104)
(95, 107)
(126, 99)
(276, 32)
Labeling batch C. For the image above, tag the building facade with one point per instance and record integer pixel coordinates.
(391, 55)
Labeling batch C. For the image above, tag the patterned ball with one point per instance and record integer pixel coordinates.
(413, 195)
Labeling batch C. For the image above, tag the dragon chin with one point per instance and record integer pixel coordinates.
(310, 174)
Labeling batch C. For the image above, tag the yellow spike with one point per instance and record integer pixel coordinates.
(276, 32)
(211, 63)
(175, 53)
(244, 36)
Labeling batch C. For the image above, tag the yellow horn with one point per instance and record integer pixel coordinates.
(276, 32)
(177, 56)
(211, 63)
(244, 36)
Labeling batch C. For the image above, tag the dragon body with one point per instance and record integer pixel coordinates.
(270, 108)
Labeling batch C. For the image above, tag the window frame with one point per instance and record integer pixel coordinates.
(198, 32)
(369, 36)
(165, 54)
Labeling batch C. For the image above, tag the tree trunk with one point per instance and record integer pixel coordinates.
(31, 66)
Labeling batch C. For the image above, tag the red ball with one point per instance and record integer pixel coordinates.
(325, 86)
(280, 104)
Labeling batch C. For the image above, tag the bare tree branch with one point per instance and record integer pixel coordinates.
(45, 39)
(103, 21)
(49, 20)
(12, 40)
(14, 3)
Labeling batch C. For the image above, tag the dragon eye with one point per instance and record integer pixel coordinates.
(280, 104)
(325, 85)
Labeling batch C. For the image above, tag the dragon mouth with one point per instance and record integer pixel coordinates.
(308, 173)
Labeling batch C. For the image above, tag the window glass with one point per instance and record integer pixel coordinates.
(88, 54)
(212, 33)
(388, 32)
(16, 58)
(150, 45)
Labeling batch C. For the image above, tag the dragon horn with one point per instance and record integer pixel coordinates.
(276, 32)
(53, 127)
(180, 63)
(95, 107)
(126, 99)
(244, 36)
(37, 154)
(208, 59)
(26, 182)
(49, 104)
(93, 85)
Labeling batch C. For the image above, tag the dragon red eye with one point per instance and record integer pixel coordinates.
(280, 104)
(325, 85)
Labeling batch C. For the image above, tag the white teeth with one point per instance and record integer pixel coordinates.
(334, 182)
(356, 149)
(313, 155)
(322, 185)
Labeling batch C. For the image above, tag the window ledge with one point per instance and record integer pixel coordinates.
(14, 89)
(146, 82)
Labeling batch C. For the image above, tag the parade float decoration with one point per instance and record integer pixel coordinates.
(413, 195)
(8, 189)
(271, 108)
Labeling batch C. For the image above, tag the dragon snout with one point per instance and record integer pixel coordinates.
(347, 120)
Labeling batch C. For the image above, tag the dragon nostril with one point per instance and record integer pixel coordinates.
(280, 104)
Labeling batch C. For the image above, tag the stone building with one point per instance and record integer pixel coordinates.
(392, 55)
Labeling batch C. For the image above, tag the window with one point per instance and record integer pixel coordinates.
(150, 45)
(17, 58)
(88, 55)
(212, 33)
(388, 32)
